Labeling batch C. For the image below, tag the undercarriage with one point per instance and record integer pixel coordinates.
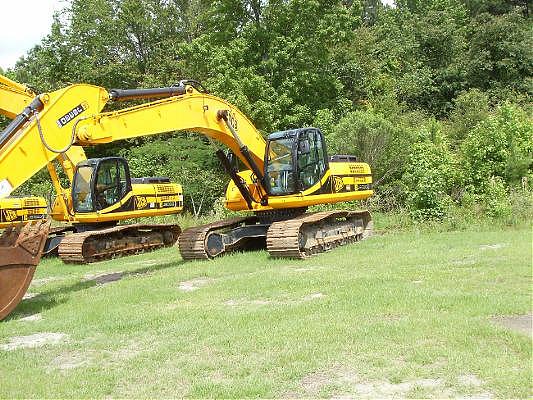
(91, 243)
(290, 233)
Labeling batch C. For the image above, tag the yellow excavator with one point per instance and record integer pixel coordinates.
(283, 175)
(90, 237)
(14, 97)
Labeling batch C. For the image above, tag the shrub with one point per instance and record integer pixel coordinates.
(374, 139)
(430, 176)
(470, 109)
(499, 146)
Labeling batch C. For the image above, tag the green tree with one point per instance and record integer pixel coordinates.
(470, 108)
(431, 175)
(374, 139)
(500, 54)
(499, 146)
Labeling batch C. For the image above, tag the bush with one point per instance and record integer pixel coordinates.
(495, 201)
(471, 108)
(499, 146)
(430, 176)
(374, 139)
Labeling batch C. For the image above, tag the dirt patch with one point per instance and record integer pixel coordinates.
(314, 382)
(245, 302)
(71, 360)
(218, 377)
(386, 389)
(469, 380)
(263, 302)
(31, 318)
(29, 296)
(44, 281)
(299, 268)
(260, 302)
(345, 383)
(35, 340)
(193, 284)
(118, 356)
(143, 263)
(102, 279)
(464, 262)
(76, 359)
(518, 323)
(313, 296)
(493, 246)
(390, 317)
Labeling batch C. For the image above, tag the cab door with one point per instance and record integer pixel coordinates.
(311, 156)
(112, 182)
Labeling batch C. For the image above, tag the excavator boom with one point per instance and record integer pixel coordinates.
(14, 97)
(21, 247)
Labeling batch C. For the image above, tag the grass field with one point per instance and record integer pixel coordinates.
(399, 315)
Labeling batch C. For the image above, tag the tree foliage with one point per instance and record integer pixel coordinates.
(434, 94)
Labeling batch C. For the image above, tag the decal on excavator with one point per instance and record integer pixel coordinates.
(338, 183)
(10, 215)
(140, 202)
(65, 119)
(232, 119)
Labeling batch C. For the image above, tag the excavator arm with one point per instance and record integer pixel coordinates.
(14, 97)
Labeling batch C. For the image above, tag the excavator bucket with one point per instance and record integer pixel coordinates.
(21, 248)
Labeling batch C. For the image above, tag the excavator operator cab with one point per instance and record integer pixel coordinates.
(100, 183)
(295, 160)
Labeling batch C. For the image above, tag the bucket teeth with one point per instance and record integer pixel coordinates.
(10, 236)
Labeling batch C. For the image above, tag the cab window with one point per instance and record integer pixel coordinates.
(81, 190)
(279, 168)
(311, 159)
(110, 185)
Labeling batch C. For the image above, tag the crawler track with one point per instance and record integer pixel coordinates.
(192, 242)
(98, 245)
(298, 237)
(314, 233)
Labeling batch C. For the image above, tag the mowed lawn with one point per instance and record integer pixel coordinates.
(403, 314)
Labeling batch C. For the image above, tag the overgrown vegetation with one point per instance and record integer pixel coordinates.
(435, 95)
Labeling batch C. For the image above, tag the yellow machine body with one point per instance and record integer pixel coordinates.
(283, 175)
(21, 210)
(343, 181)
(148, 199)
(144, 200)
(13, 97)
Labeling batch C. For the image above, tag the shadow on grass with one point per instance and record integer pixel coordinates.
(55, 297)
